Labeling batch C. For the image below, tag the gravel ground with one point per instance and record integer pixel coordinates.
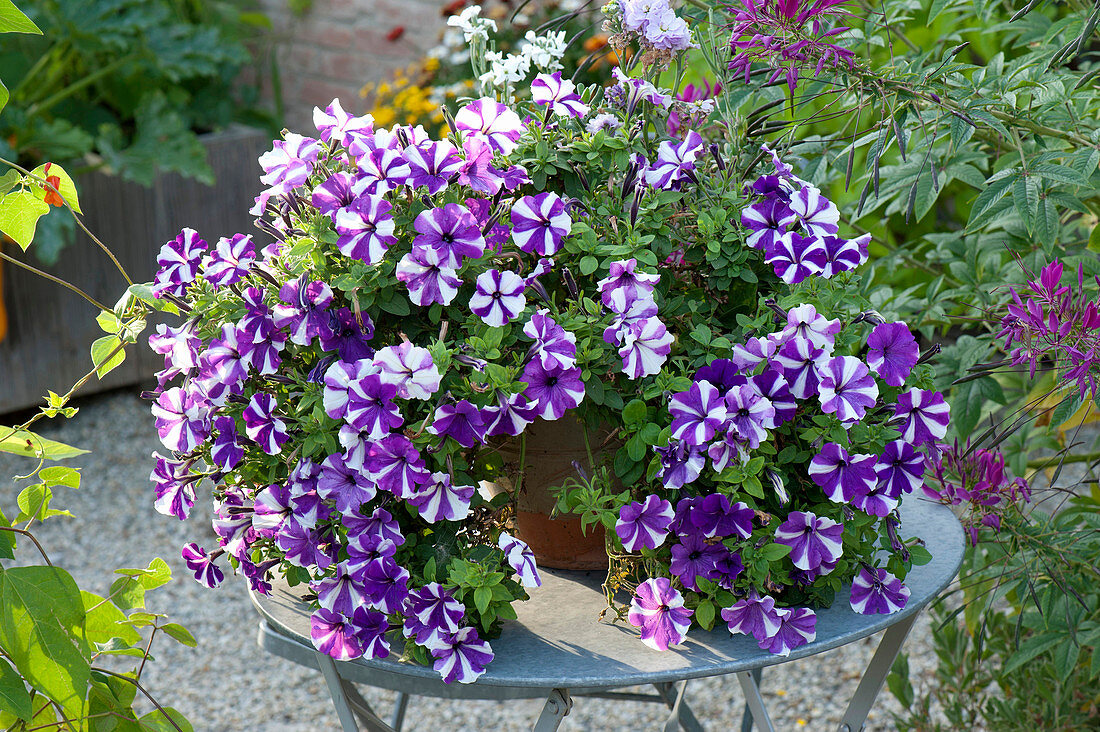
(228, 683)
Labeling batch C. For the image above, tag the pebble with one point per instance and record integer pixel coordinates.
(229, 683)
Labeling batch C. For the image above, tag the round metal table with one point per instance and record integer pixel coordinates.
(557, 648)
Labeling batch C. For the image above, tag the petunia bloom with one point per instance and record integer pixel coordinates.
(644, 525)
(847, 388)
(520, 558)
(540, 223)
(924, 416)
(498, 297)
(658, 609)
(461, 656)
(876, 591)
(814, 540)
(892, 352)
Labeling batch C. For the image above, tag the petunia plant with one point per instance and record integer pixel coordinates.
(347, 381)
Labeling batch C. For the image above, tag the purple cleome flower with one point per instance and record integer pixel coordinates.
(499, 297)
(658, 609)
(540, 223)
(461, 656)
(876, 591)
(814, 540)
(924, 416)
(892, 352)
(644, 525)
(366, 229)
(847, 389)
(843, 477)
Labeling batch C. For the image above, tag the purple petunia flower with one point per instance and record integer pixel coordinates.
(675, 162)
(371, 408)
(477, 171)
(396, 466)
(338, 382)
(340, 594)
(349, 335)
(272, 507)
(750, 414)
(174, 487)
(182, 419)
(226, 451)
(180, 348)
(338, 126)
(461, 421)
(303, 309)
(432, 165)
(222, 368)
(202, 565)
(288, 164)
(847, 388)
(797, 627)
(768, 220)
(344, 479)
(814, 540)
(876, 502)
(658, 609)
(924, 416)
(554, 346)
(773, 386)
(229, 261)
(843, 255)
(713, 516)
(520, 558)
(680, 463)
(461, 656)
(366, 229)
(697, 413)
(555, 391)
(510, 416)
(694, 557)
(262, 426)
(410, 368)
(794, 257)
(371, 627)
(380, 524)
(427, 274)
(841, 476)
(540, 223)
(644, 525)
(498, 298)
(892, 352)
(805, 322)
(818, 214)
(438, 500)
(492, 119)
(624, 286)
(900, 469)
(386, 584)
(334, 635)
(381, 170)
(301, 546)
(753, 616)
(179, 262)
(430, 613)
(801, 362)
(876, 591)
(551, 89)
(450, 230)
(645, 346)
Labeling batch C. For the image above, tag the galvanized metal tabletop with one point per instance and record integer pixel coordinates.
(558, 647)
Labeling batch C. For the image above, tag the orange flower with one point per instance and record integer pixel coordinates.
(53, 198)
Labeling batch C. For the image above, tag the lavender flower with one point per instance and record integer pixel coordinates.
(658, 609)
(644, 525)
(814, 540)
(539, 223)
(892, 352)
(499, 297)
(876, 591)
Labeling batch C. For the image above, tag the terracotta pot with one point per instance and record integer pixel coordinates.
(557, 542)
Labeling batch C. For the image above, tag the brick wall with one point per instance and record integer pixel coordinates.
(339, 45)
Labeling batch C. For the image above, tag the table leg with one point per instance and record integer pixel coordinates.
(347, 700)
(557, 706)
(681, 716)
(399, 707)
(746, 716)
(755, 701)
(875, 675)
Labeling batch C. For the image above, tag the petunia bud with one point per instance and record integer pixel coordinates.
(714, 153)
(570, 283)
(636, 204)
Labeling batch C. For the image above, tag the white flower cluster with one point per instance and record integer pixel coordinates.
(452, 48)
(472, 24)
(545, 51)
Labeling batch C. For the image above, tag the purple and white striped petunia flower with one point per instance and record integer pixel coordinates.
(772, 385)
(174, 487)
(229, 261)
(804, 321)
(272, 507)
(520, 558)
(410, 368)
(222, 368)
(675, 162)
(288, 164)
(554, 346)
(561, 95)
(226, 451)
(768, 220)
(371, 409)
(371, 627)
(697, 413)
(262, 426)
(432, 165)
(539, 223)
(380, 523)
(430, 613)
(923, 415)
(644, 525)
(645, 346)
(396, 466)
(847, 388)
(750, 414)
(843, 255)
(753, 615)
(681, 463)
(386, 584)
(801, 363)
(381, 170)
(333, 194)
(428, 275)
(713, 516)
(498, 298)
(338, 381)
(438, 500)
(892, 352)
(876, 591)
(842, 476)
(797, 627)
(333, 634)
(450, 230)
(342, 593)
(794, 257)
(554, 391)
(509, 416)
(461, 656)
(304, 309)
(179, 262)
(624, 286)
(344, 479)
(818, 214)
(338, 126)
(206, 573)
(693, 558)
(461, 421)
(814, 540)
(489, 117)
(900, 469)
(658, 609)
(366, 229)
(182, 419)
(180, 348)
(876, 502)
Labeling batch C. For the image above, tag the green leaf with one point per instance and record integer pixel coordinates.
(7, 539)
(12, 20)
(38, 608)
(3, 102)
(56, 475)
(704, 614)
(634, 413)
(107, 354)
(34, 503)
(103, 621)
(155, 721)
(482, 597)
(987, 199)
(1031, 649)
(65, 185)
(180, 634)
(128, 593)
(19, 214)
(28, 444)
(969, 400)
(588, 265)
(774, 552)
(919, 555)
(1094, 239)
(156, 574)
(14, 696)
